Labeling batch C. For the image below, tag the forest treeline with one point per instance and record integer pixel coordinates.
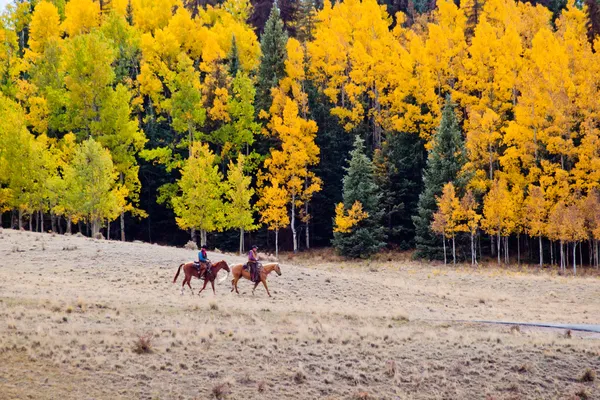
(457, 129)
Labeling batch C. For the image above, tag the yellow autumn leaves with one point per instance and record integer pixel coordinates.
(345, 220)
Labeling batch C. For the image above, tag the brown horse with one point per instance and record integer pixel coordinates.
(239, 272)
(190, 270)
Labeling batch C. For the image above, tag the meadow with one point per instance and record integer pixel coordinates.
(93, 319)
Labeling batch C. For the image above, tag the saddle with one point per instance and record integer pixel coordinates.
(254, 272)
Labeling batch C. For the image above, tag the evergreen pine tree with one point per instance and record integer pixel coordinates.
(305, 20)
(444, 163)
(129, 13)
(272, 63)
(398, 167)
(359, 185)
(234, 58)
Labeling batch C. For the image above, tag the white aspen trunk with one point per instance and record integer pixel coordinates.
(519, 250)
(41, 221)
(575, 258)
(307, 236)
(562, 259)
(241, 241)
(202, 237)
(499, 247)
(293, 223)
(69, 225)
(307, 233)
(453, 251)
(107, 229)
(122, 215)
(122, 226)
(597, 261)
(444, 241)
(541, 252)
(193, 235)
(277, 243)
(473, 255)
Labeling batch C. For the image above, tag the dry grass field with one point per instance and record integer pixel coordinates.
(90, 319)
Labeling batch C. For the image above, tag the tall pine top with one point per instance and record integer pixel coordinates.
(272, 66)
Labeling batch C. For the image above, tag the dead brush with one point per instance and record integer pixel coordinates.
(391, 368)
(568, 334)
(362, 395)
(191, 245)
(402, 318)
(589, 375)
(300, 376)
(221, 391)
(523, 368)
(581, 394)
(261, 386)
(143, 344)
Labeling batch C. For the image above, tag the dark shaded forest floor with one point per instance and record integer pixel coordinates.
(73, 309)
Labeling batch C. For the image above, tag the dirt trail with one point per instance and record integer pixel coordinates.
(75, 307)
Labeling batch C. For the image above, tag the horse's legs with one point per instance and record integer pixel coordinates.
(183, 284)
(264, 281)
(254, 288)
(212, 283)
(204, 286)
(190, 286)
(234, 283)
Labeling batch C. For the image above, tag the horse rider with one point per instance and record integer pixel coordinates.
(253, 262)
(204, 263)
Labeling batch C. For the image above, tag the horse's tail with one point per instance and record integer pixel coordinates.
(177, 274)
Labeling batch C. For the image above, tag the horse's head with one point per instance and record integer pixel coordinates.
(223, 265)
(277, 269)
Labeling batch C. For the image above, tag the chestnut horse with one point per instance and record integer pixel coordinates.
(239, 272)
(190, 270)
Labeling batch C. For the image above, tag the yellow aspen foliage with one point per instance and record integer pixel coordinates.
(198, 204)
(499, 215)
(354, 55)
(81, 16)
(150, 15)
(272, 204)
(346, 220)
(449, 215)
(446, 220)
(536, 211)
(469, 217)
(44, 27)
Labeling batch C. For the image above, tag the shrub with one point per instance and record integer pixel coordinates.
(589, 375)
(143, 344)
(221, 391)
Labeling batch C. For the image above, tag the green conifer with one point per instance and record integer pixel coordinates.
(444, 163)
(368, 237)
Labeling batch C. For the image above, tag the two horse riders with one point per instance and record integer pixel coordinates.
(204, 263)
